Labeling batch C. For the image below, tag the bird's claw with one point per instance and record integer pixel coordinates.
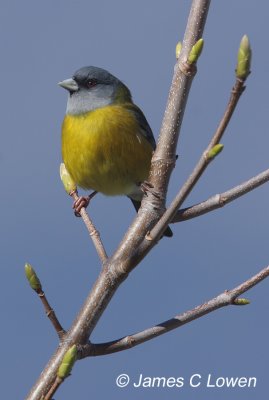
(82, 202)
(148, 187)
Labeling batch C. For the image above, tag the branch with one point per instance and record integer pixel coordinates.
(163, 160)
(71, 189)
(35, 284)
(55, 386)
(63, 372)
(164, 157)
(93, 232)
(228, 297)
(202, 164)
(220, 200)
(51, 314)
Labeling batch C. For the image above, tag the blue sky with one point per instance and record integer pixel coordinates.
(43, 43)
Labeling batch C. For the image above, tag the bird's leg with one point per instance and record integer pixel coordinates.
(82, 202)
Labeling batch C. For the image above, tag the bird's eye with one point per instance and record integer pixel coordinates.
(91, 83)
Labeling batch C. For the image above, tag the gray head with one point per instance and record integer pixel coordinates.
(91, 88)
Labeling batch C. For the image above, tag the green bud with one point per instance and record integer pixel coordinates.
(215, 151)
(196, 51)
(241, 302)
(68, 182)
(243, 59)
(69, 360)
(32, 277)
(178, 49)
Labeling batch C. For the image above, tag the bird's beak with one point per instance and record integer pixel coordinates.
(69, 84)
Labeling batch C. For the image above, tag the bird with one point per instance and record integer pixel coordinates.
(107, 143)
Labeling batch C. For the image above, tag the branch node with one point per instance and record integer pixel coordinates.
(168, 161)
(239, 86)
(148, 236)
(130, 341)
(187, 69)
(222, 200)
(49, 312)
(95, 232)
(205, 156)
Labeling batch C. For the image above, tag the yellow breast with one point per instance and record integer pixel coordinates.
(103, 150)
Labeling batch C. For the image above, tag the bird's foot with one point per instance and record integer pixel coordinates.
(82, 202)
(148, 187)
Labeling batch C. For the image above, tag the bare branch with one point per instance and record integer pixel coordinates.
(51, 314)
(236, 92)
(58, 381)
(201, 166)
(224, 299)
(71, 189)
(93, 232)
(36, 285)
(220, 200)
(163, 160)
(164, 156)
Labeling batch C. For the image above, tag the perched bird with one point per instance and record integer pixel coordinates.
(107, 143)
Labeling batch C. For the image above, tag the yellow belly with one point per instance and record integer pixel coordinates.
(104, 151)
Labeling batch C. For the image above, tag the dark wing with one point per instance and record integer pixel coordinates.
(147, 133)
(143, 123)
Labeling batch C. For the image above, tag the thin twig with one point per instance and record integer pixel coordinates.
(36, 285)
(93, 232)
(236, 92)
(51, 314)
(220, 200)
(201, 166)
(224, 299)
(58, 381)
